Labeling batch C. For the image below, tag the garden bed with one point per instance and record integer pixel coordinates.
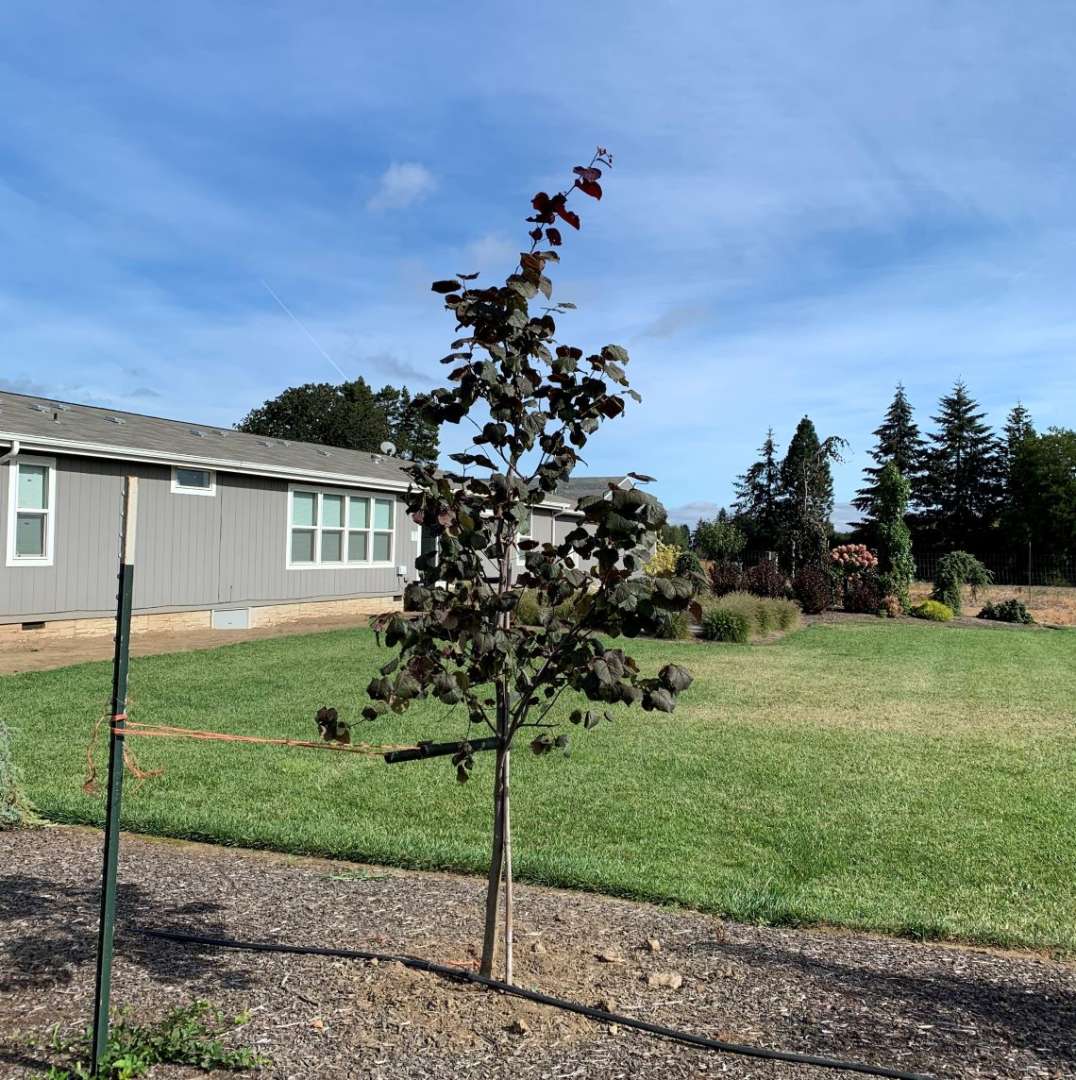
(947, 1011)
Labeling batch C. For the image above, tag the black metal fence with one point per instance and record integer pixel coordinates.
(1012, 568)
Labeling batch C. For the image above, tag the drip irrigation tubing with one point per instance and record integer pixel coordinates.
(463, 975)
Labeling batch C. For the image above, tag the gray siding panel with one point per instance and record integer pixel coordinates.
(229, 549)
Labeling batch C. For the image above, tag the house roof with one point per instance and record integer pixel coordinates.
(582, 487)
(45, 424)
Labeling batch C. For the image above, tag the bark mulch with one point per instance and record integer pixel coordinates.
(946, 1011)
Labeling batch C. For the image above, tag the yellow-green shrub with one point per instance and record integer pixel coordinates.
(933, 611)
(663, 562)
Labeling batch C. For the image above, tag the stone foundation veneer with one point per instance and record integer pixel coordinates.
(169, 622)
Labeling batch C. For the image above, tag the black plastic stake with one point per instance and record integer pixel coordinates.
(107, 926)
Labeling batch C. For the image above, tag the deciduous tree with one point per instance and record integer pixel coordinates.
(534, 403)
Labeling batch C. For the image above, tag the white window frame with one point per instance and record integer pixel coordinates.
(179, 489)
(49, 513)
(369, 563)
(524, 533)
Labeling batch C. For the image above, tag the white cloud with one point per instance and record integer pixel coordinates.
(402, 184)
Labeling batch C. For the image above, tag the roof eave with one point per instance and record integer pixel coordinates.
(155, 457)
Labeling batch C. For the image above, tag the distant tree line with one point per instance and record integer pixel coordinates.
(962, 487)
(350, 415)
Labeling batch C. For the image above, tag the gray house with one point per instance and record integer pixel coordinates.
(234, 530)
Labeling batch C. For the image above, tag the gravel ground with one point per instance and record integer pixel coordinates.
(946, 1011)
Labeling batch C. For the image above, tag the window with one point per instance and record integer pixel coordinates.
(524, 532)
(31, 511)
(329, 528)
(193, 481)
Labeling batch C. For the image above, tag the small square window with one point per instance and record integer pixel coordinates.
(193, 481)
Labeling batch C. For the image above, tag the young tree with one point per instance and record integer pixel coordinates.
(349, 415)
(899, 442)
(888, 510)
(758, 499)
(807, 495)
(720, 540)
(538, 403)
(962, 482)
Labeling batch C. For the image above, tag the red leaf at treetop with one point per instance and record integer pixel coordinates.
(553, 236)
(589, 187)
(567, 215)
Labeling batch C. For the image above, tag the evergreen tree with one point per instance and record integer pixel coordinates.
(894, 539)
(414, 436)
(1042, 471)
(962, 482)
(1019, 477)
(899, 442)
(758, 499)
(807, 495)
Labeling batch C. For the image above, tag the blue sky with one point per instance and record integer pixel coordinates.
(810, 201)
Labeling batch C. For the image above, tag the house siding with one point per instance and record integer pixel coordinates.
(225, 550)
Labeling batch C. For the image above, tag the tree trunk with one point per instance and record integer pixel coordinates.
(496, 861)
(507, 867)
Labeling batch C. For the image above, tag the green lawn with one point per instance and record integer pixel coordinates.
(903, 778)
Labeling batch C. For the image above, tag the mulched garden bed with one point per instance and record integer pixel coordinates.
(947, 1011)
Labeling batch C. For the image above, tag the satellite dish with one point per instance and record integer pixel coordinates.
(388, 448)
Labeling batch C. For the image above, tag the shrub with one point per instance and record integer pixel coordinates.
(725, 578)
(889, 509)
(674, 626)
(1012, 610)
(954, 571)
(813, 588)
(788, 614)
(528, 611)
(853, 557)
(933, 610)
(725, 624)
(766, 579)
(863, 593)
(689, 567)
(891, 606)
(663, 561)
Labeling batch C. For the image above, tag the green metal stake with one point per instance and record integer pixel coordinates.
(107, 926)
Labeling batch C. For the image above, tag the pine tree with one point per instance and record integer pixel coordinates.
(962, 483)
(899, 442)
(894, 539)
(807, 495)
(758, 499)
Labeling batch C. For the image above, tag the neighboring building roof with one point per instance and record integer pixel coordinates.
(582, 487)
(66, 427)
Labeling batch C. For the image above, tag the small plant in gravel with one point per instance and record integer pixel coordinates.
(190, 1035)
(1012, 611)
(932, 611)
(14, 808)
(534, 403)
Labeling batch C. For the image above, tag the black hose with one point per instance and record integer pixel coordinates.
(434, 749)
(462, 975)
